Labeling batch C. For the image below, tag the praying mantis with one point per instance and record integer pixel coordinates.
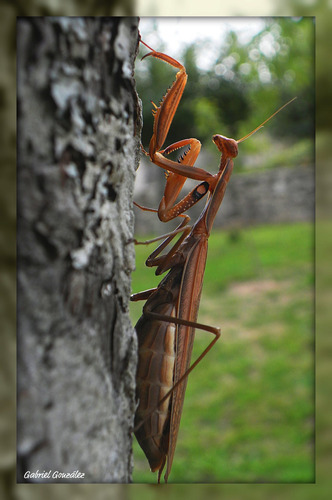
(167, 326)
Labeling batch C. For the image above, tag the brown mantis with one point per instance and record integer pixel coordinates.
(167, 326)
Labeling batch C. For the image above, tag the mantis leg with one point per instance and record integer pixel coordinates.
(179, 171)
(164, 262)
(142, 295)
(178, 321)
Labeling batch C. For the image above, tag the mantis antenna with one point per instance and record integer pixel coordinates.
(265, 121)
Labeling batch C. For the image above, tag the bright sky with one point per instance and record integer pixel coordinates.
(177, 31)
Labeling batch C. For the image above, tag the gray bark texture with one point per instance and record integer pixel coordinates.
(78, 147)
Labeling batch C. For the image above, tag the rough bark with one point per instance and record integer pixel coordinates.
(78, 147)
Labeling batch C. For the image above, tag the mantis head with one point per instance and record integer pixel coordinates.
(228, 147)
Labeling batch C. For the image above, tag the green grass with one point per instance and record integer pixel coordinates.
(249, 406)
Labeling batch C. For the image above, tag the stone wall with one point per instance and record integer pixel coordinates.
(274, 196)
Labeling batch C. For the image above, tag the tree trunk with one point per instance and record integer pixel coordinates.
(78, 147)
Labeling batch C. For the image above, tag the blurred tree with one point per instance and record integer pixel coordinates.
(322, 10)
